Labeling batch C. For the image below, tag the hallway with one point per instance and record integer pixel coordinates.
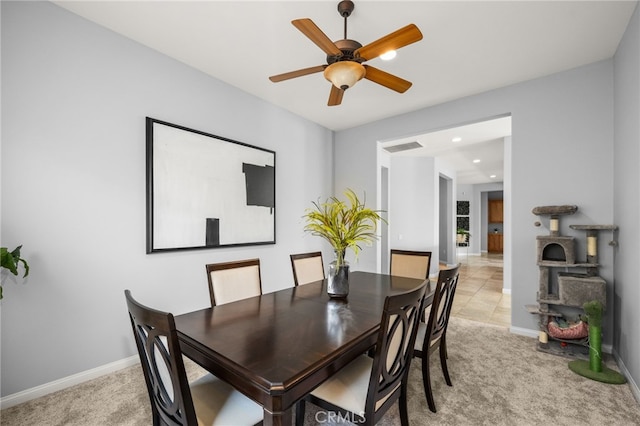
(479, 294)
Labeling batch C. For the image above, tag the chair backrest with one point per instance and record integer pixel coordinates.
(410, 263)
(441, 307)
(231, 281)
(394, 350)
(157, 341)
(307, 267)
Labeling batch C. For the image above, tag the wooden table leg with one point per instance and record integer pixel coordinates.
(283, 418)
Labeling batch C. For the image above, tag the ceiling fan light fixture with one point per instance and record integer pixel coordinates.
(344, 74)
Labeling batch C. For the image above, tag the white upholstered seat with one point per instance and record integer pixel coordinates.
(348, 387)
(217, 403)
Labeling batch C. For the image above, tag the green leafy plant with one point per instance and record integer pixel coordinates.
(10, 261)
(344, 224)
(462, 231)
(462, 236)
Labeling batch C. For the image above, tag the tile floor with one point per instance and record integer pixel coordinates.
(479, 294)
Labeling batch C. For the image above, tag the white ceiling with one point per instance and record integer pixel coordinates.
(482, 142)
(468, 47)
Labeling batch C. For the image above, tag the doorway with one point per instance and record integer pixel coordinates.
(446, 247)
(475, 157)
(384, 225)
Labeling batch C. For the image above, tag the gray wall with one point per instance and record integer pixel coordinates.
(561, 153)
(627, 198)
(74, 101)
(412, 212)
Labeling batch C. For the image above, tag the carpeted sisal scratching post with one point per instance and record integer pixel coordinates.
(593, 369)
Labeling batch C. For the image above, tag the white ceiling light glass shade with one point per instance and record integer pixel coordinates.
(344, 74)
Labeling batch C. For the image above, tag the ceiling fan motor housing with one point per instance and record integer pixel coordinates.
(347, 47)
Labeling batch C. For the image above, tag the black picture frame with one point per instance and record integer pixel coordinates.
(206, 191)
(463, 208)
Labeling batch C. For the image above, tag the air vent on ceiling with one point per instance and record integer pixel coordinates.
(403, 147)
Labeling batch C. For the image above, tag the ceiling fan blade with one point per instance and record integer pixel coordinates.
(335, 96)
(397, 39)
(387, 80)
(315, 34)
(297, 73)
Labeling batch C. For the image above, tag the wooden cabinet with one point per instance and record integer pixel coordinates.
(495, 211)
(494, 243)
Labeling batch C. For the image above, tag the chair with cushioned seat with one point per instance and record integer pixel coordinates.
(174, 401)
(410, 263)
(231, 281)
(367, 387)
(432, 335)
(307, 267)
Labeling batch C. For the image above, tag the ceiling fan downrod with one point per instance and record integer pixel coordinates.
(345, 8)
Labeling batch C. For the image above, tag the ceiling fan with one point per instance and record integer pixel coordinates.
(345, 57)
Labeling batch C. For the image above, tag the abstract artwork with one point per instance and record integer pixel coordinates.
(206, 191)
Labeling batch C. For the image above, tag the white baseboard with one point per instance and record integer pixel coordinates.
(506, 291)
(65, 382)
(524, 332)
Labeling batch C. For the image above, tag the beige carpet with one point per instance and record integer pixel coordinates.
(498, 379)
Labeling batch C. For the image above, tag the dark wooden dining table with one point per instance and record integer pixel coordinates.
(277, 347)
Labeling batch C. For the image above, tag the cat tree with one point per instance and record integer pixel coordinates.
(578, 284)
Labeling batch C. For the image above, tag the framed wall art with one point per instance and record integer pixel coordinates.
(206, 191)
(462, 208)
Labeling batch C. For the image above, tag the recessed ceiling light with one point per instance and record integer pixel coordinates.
(387, 56)
(492, 176)
(456, 139)
(477, 160)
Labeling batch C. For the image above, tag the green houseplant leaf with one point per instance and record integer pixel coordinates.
(344, 224)
(10, 261)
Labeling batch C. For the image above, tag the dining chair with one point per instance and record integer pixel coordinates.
(366, 388)
(432, 335)
(231, 281)
(174, 401)
(410, 263)
(307, 267)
